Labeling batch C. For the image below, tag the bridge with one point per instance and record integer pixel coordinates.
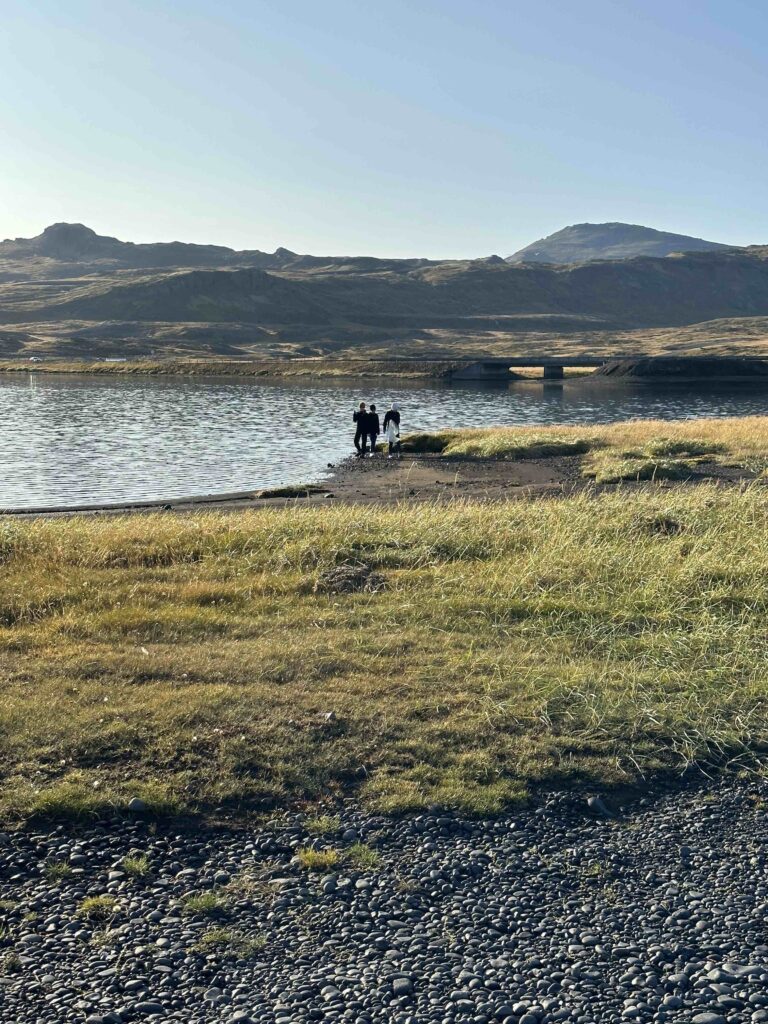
(498, 368)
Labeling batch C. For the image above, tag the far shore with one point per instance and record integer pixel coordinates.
(313, 368)
(623, 369)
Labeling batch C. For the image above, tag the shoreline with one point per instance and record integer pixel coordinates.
(441, 371)
(412, 478)
(263, 370)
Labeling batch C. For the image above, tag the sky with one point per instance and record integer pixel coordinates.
(433, 128)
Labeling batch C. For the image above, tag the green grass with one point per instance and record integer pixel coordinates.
(498, 443)
(740, 441)
(362, 856)
(612, 470)
(97, 908)
(188, 660)
(207, 904)
(318, 860)
(57, 871)
(136, 867)
(323, 824)
(229, 941)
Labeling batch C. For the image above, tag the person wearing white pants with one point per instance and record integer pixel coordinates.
(392, 429)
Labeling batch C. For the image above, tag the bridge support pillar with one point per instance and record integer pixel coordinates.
(553, 373)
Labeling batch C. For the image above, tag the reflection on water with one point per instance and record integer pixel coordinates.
(80, 440)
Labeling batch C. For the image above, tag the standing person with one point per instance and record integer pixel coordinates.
(360, 419)
(392, 429)
(374, 427)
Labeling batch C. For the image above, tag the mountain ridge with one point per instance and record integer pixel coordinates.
(70, 290)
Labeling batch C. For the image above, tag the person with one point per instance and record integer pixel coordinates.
(360, 419)
(374, 427)
(392, 429)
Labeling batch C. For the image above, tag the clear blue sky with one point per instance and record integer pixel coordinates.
(440, 128)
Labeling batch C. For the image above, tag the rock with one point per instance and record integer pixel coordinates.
(136, 805)
(523, 917)
(596, 805)
(147, 1008)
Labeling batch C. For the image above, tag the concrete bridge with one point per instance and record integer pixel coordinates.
(501, 369)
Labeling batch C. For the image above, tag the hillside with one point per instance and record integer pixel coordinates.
(612, 241)
(640, 292)
(70, 292)
(68, 249)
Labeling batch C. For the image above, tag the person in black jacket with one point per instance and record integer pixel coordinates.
(374, 428)
(360, 419)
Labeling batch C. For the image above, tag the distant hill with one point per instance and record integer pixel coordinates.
(652, 291)
(76, 243)
(72, 291)
(77, 246)
(614, 241)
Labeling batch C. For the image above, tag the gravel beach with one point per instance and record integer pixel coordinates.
(571, 911)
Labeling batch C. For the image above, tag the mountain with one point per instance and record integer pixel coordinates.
(70, 291)
(614, 241)
(67, 247)
(76, 243)
(643, 292)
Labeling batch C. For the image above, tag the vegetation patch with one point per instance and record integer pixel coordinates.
(323, 824)
(741, 441)
(205, 904)
(318, 860)
(426, 443)
(362, 856)
(498, 443)
(611, 470)
(291, 491)
(349, 578)
(97, 908)
(57, 871)
(230, 942)
(584, 641)
(681, 447)
(136, 867)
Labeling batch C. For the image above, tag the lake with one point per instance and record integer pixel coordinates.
(80, 440)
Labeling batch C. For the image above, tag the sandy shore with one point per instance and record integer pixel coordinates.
(413, 478)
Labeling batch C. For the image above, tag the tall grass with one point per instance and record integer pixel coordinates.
(188, 659)
(736, 439)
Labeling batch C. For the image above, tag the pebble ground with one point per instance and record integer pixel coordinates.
(656, 913)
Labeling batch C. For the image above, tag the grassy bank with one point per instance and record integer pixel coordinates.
(634, 449)
(310, 368)
(225, 660)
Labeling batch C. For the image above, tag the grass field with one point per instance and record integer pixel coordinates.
(635, 449)
(217, 660)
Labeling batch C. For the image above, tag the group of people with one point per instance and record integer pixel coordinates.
(368, 429)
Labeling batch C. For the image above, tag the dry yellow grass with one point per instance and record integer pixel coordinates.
(635, 449)
(188, 660)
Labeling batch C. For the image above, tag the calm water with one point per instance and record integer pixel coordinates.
(81, 440)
